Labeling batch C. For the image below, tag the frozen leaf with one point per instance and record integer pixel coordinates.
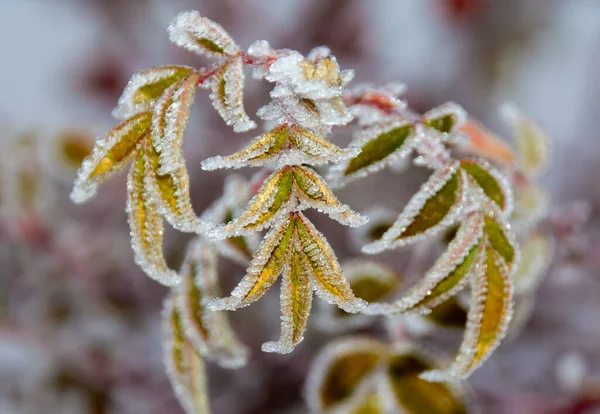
(531, 207)
(296, 299)
(308, 261)
(110, 155)
(227, 96)
(488, 318)
(209, 332)
(446, 119)
(145, 88)
(433, 208)
(171, 193)
(535, 259)
(289, 188)
(284, 145)
(494, 185)
(533, 145)
(370, 281)
(379, 146)
(146, 223)
(418, 396)
(450, 273)
(342, 370)
(500, 237)
(201, 35)
(185, 366)
(169, 120)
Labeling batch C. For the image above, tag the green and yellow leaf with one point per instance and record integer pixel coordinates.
(447, 118)
(201, 35)
(227, 96)
(146, 224)
(492, 183)
(289, 188)
(146, 87)
(185, 366)
(209, 332)
(279, 146)
(435, 207)
(169, 120)
(110, 155)
(380, 146)
(488, 318)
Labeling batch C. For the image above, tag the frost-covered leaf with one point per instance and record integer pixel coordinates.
(535, 259)
(110, 155)
(446, 119)
(380, 145)
(289, 188)
(308, 261)
(201, 35)
(494, 185)
(414, 395)
(171, 193)
(146, 223)
(209, 332)
(531, 207)
(433, 208)
(450, 273)
(169, 120)
(284, 145)
(236, 193)
(342, 370)
(370, 281)
(500, 237)
(488, 318)
(227, 96)
(533, 145)
(146, 87)
(185, 366)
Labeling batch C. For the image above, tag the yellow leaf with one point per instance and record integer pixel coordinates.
(185, 366)
(282, 143)
(146, 87)
(488, 317)
(169, 121)
(209, 332)
(146, 225)
(110, 155)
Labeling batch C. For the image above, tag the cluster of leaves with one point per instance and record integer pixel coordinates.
(468, 195)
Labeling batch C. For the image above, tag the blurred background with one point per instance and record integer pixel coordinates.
(79, 322)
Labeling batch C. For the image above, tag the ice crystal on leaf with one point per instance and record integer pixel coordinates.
(357, 373)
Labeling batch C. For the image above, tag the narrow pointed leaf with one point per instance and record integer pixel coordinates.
(284, 145)
(494, 185)
(169, 121)
(450, 273)
(500, 237)
(379, 146)
(110, 155)
(227, 95)
(327, 276)
(264, 269)
(486, 144)
(296, 299)
(146, 225)
(201, 35)
(185, 366)
(209, 332)
(315, 193)
(171, 193)
(433, 208)
(488, 318)
(146, 87)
